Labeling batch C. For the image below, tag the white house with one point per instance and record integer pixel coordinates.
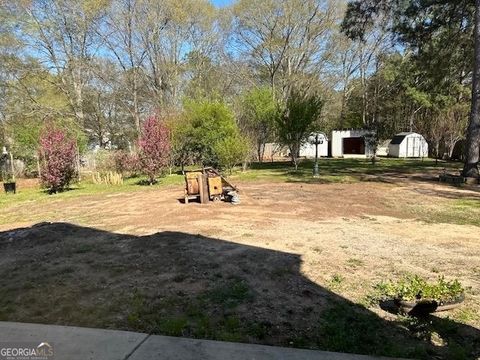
(408, 144)
(308, 149)
(350, 143)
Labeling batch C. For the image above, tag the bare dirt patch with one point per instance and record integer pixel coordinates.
(292, 265)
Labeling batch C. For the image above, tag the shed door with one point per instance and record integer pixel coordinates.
(353, 145)
(413, 146)
(410, 144)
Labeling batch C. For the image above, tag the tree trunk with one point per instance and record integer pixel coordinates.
(79, 114)
(343, 107)
(135, 106)
(260, 151)
(363, 81)
(294, 150)
(470, 168)
(272, 85)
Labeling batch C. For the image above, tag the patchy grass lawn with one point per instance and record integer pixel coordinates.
(30, 190)
(345, 170)
(331, 171)
(463, 212)
(294, 265)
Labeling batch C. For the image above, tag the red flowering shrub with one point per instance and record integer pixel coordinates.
(57, 154)
(154, 148)
(125, 163)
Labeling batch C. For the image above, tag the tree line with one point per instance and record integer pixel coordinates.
(228, 80)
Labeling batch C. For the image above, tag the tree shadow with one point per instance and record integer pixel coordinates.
(385, 170)
(146, 182)
(462, 193)
(181, 284)
(360, 170)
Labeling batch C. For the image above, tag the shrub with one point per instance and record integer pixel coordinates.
(125, 162)
(57, 154)
(104, 160)
(119, 161)
(205, 124)
(154, 146)
(413, 288)
(208, 134)
(230, 151)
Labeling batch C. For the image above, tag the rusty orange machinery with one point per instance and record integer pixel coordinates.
(207, 184)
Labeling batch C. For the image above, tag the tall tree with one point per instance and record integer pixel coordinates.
(285, 40)
(154, 145)
(297, 121)
(62, 34)
(258, 117)
(426, 26)
(123, 39)
(470, 168)
(169, 30)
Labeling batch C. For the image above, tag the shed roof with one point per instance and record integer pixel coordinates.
(397, 139)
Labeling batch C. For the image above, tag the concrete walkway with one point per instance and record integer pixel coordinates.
(74, 343)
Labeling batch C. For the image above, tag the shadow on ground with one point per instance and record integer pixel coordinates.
(387, 170)
(180, 284)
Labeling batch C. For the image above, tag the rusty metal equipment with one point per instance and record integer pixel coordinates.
(208, 184)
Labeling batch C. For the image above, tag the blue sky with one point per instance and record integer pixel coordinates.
(221, 3)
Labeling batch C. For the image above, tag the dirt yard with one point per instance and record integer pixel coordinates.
(293, 265)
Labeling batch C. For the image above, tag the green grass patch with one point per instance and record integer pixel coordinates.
(36, 195)
(467, 204)
(455, 211)
(230, 294)
(336, 281)
(355, 263)
(343, 326)
(210, 315)
(331, 171)
(339, 170)
(466, 315)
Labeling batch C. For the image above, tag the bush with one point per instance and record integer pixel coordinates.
(208, 133)
(413, 288)
(231, 151)
(57, 154)
(125, 163)
(119, 161)
(104, 160)
(154, 146)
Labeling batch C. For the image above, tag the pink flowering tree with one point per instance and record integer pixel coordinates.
(57, 153)
(125, 163)
(154, 148)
